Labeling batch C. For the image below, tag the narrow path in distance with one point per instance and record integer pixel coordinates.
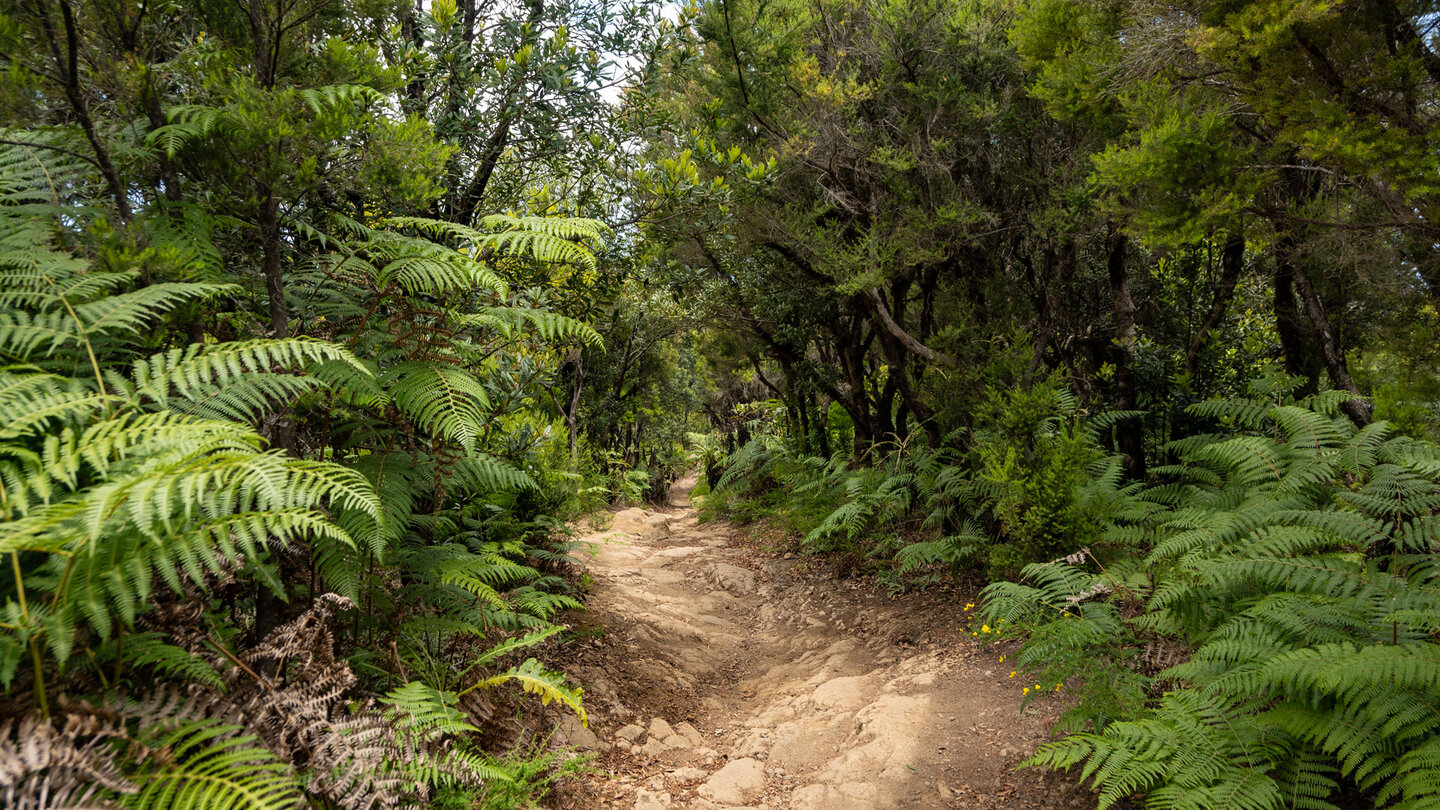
(720, 676)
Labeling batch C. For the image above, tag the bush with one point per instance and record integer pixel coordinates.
(1269, 637)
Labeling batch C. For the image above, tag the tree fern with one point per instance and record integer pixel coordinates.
(443, 400)
(509, 321)
(110, 483)
(136, 478)
(483, 473)
(1294, 561)
(425, 716)
(239, 381)
(36, 179)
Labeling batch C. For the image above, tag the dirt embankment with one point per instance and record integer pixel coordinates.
(720, 677)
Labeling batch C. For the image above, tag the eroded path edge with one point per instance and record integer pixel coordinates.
(720, 676)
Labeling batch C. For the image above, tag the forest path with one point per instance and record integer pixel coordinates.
(720, 676)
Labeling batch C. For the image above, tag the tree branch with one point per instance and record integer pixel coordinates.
(907, 340)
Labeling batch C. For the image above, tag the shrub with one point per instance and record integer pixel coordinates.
(1281, 597)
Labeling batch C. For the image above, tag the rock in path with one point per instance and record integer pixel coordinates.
(736, 683)
(735, 784)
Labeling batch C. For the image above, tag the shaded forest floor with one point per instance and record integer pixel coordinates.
(721, 675)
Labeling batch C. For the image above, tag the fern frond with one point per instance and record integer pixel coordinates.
(549, 686)
(210, 766)
(443, 400)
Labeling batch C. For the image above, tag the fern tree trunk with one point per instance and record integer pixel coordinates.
(268, 220)
(572, 415)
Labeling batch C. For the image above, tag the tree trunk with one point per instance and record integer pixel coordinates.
(822, 427)
(1333, 354)
(1130, 431)
(572, 416)
(802, 413)
(1295, 345)
(468, 207)
(885, 435)
(412, 32)
(899, 370)
(272, 251)
(896, 331)
(1232, 261)
(279, 428)
(66, 58)
(169, 178)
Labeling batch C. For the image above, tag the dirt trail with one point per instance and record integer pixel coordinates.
(723, 677)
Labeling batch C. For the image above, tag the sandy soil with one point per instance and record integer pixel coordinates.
(722, 676)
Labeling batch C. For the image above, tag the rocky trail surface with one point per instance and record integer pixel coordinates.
(721, 676)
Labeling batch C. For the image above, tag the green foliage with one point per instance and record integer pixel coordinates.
(1035, 483)
(548, 686)
(207, 766)
(137, 475)
(424, 716)
(531, 773)
(1052, 487)
(957, 285)
(1288, 568)
(112, 481)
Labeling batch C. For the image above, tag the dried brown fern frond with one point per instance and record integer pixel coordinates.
(173, 749)
(45, 766)
(357, 763)
(50, 791)
(295, 726)
(358, 757)
(302, 656)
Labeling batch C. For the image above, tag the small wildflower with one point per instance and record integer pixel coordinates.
(1012, 672)
(974, 634)
(1057, 687)
(1025, 691)
(969, 605)
(1002, 659)
(1037, 686)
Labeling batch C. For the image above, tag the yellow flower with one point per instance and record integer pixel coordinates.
(984, 628)
(1025, 691)
(969, 605)
(974, 634)
(1037, 686)
(1057, 687)
(1012, 672)
(1002, 659)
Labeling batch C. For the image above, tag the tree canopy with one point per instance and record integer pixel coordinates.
(319, 319)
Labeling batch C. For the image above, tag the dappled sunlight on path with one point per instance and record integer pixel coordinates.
(726, 677)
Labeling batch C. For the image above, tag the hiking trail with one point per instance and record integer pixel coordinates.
(720, 676)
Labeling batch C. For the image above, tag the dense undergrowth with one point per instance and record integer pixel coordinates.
(1033, 482)
(1255, 626)
(312, 340)
(272, 571)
